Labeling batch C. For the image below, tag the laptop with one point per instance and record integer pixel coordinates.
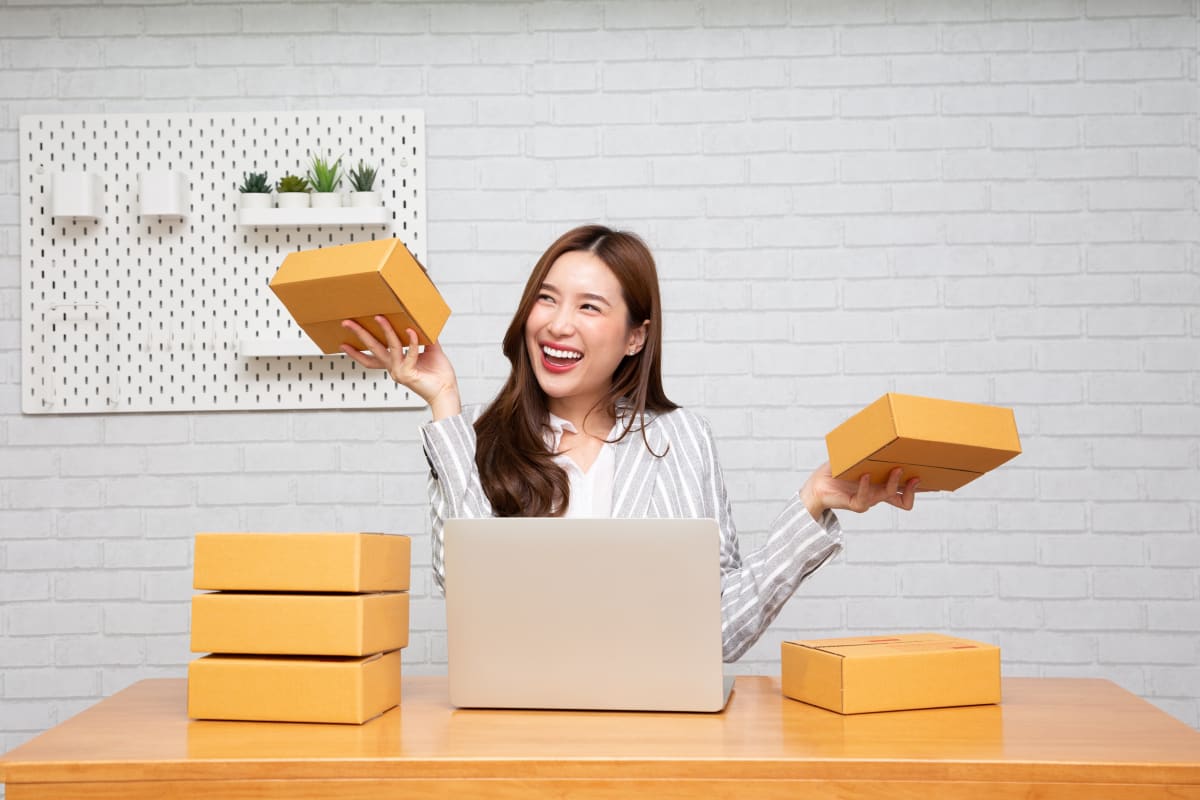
(602, 614)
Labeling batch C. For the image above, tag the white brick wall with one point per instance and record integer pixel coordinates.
(990, 201)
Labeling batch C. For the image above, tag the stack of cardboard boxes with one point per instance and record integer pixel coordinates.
(302, 627)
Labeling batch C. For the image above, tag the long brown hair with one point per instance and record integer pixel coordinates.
(516, 469)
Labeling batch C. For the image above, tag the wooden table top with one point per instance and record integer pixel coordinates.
(1047, 729)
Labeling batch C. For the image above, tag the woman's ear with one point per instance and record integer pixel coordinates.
(637, 339)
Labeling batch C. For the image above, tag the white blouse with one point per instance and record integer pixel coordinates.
(591, 491)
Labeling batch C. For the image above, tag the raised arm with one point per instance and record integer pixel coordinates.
(429, 374)
(755, 586)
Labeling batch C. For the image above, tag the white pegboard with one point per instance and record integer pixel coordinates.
(134, 314)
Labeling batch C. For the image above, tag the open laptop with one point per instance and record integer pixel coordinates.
(614, 614)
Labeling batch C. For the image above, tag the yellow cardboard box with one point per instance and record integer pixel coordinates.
(293, 688)
(889, 673)
(299, 624)
(945, 443)
(302, 562)
(358, 281)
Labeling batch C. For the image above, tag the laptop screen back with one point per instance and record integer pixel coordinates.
(584, 613)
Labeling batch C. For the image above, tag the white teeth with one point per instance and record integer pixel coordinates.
(553, 353)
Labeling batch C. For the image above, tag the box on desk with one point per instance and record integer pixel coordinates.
(945, 443)
(293, 688)
(890, 673)
(302, 562)
(299, 624)
(358, 281)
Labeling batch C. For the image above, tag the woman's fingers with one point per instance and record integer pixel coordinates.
(905, 499)
(414, 349)
(370, 362)
(865, 494)
(861, 500)
(389, 334)
(893, 482)
(364, 336)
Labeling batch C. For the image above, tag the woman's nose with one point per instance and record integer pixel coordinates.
(562, 323)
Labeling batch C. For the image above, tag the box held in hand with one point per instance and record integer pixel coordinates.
(359, 281)
(302, 562)
(891, 673)
(945, 443)
(293, 688)
(299, 624)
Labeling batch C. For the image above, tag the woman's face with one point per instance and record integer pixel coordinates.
(578, 331)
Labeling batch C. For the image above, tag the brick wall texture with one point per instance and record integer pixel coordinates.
(985, 200)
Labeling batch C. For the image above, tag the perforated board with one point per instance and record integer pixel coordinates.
(133, 314)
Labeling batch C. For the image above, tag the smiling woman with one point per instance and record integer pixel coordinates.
(585, 345)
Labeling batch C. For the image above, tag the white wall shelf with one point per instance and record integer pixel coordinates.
(309, 217)
(122, 312)
(281, 348)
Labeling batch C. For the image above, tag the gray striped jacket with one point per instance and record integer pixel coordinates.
(686, 482)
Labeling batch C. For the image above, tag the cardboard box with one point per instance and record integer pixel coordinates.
(946, 444)
(299, 624)
(889, 673)
(293, 688)
(322, 287)
(302, 562)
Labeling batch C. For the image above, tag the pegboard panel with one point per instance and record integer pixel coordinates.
(126, 313)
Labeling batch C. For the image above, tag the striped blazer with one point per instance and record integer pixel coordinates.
(686, 482)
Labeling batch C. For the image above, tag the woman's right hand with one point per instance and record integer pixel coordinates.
(429, 374)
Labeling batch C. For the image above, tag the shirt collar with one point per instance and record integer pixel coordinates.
(556, 426)
(554, 430)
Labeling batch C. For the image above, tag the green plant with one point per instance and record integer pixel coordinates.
(255, 183)
(363, 178)
(324, 176)
(292, 183)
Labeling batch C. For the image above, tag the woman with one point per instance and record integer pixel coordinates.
(583, 427)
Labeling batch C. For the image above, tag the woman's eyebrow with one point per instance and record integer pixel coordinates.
(597, 297)
(586, 295)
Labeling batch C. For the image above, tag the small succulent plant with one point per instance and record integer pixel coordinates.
(324, 175)
(292, 183)
(255, 183)
(363, 177)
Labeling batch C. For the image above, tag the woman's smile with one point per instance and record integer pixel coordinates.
(559, 358)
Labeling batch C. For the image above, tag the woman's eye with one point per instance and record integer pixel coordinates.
(545, 298)
(590, 307)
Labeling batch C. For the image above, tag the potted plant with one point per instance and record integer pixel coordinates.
(325, 178)
(293, 192)
(256, 190)
(362, 180)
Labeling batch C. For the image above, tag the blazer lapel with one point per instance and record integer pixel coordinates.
(636, 469)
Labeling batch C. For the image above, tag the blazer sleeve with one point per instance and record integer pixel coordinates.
(453, 486)
(755, 587)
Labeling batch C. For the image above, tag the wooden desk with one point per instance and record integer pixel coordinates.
(1051, 738)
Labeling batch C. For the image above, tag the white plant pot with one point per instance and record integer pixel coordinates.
(326, 200)
(76, 195)
(293, 199)
(162, 193)
(365, 199)
(255, 200)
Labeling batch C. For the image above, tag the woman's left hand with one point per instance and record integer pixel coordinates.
(823, 491)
